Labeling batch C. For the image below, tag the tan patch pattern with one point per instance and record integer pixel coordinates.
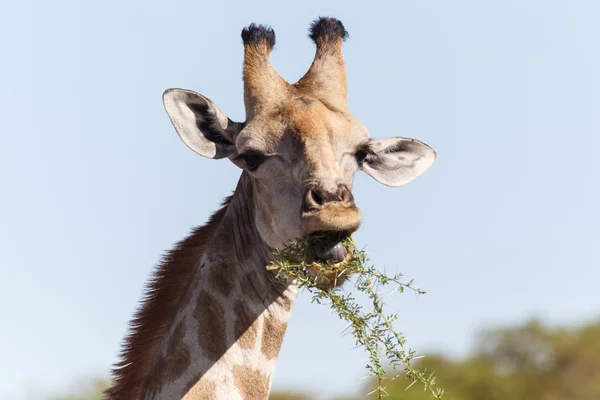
(246, 326)
(273, 332)
(211, 329)
(205, 390)
(251, 384)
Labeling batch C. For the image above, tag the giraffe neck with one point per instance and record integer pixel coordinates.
(224, 339)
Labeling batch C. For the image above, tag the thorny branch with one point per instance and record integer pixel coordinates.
(372, 329)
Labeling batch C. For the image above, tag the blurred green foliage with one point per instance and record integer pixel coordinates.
(86, 390)
(527, 362)
(288, 396)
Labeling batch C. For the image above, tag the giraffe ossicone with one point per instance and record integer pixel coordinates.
(212, 321)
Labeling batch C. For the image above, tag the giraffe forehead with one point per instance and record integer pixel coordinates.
(305, 121)
(327, 135)
(313, 121)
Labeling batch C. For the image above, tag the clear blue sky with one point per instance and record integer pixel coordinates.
(95, 183)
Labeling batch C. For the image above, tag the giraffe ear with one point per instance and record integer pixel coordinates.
(397, 161)
(201, 125)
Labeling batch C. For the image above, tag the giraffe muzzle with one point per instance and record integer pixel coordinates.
(324, 210)
(336, 217)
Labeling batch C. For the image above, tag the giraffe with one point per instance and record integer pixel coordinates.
(212, 320)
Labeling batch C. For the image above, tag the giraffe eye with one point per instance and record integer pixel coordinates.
(252, 161)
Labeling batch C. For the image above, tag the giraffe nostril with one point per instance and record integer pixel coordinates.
(316, 197)
(346, 195)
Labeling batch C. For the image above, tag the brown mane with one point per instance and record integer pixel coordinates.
(158, 308)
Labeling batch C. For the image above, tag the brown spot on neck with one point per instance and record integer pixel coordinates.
(202, 389)
(273, 333)
(222, 277)
(251, 383)
(211, 326)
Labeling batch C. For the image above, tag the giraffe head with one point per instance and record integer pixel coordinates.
(300, 146)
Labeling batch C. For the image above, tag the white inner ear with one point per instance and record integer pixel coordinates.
(398, 161)
(182, 107)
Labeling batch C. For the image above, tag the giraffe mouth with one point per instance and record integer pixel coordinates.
(328, 255)
(329, 246)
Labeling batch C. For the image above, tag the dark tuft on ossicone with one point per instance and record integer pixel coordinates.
(327, 29)
(256, 34)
